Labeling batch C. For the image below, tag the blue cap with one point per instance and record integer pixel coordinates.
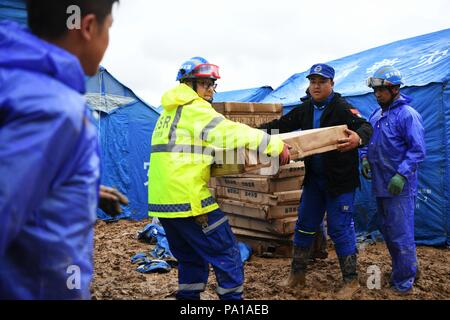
(323, 70)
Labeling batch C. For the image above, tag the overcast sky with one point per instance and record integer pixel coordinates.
(254, 42)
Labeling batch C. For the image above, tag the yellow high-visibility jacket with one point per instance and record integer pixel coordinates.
(182, 151)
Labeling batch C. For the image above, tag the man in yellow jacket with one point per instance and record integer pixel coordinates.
(183, 143)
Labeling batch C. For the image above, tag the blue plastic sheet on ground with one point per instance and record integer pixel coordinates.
(159, 266)
(154, 232)
(245, 250)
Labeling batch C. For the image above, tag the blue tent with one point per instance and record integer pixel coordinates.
(13, 10)
(425, 64)
(125, 125)
(244, 95)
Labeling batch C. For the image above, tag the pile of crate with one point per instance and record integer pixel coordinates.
(262, 210)
(262, 205)
(251, 114)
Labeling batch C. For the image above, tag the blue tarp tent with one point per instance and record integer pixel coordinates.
(13, 10)
(244, 95)
(425, 64)
(125, 125)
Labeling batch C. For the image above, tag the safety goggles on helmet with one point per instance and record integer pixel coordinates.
(205, 70)
(377, 82)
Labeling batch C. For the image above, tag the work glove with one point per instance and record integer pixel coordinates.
(396, 184)
(110, 200)
(285, 155)
(366, 172)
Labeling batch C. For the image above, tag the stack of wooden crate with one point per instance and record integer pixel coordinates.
(262, 205)
(262, 210)
(251, 114)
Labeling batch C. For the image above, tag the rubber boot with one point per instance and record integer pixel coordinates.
(297, 275)
(351, 285)
(319, 247)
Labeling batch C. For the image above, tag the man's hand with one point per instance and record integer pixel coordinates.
(285, 156)
(366, 169)
(110, 201)
(396, 184)
(349, 143)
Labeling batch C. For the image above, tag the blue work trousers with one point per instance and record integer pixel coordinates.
(396, 222)
(196, 245)
(314, 203)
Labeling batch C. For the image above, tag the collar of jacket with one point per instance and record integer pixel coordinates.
(309, 108)
(180, 95)
(401, 101)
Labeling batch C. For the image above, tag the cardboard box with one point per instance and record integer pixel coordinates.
(263, 184)
(213, 192)
(247, 107)
(289, 196)
(221, 170)
(238, 161)
(259, 212)
(264, 244)
(282, 227)
(258, 235)
(268, 199)
(255, 120)
(309, 142)
(275, 171)
(212, 183)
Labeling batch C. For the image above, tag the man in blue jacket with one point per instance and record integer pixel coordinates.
(49, 164)
(392, 158)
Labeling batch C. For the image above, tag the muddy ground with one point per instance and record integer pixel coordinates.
(115, 277)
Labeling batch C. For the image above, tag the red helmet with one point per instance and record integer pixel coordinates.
(198, 67)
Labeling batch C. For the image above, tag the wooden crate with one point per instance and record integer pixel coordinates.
(262, 184)
(260, 212)
(247, 108)
(280, 227)
(309, 142)
(265, 245)
(267, 199)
